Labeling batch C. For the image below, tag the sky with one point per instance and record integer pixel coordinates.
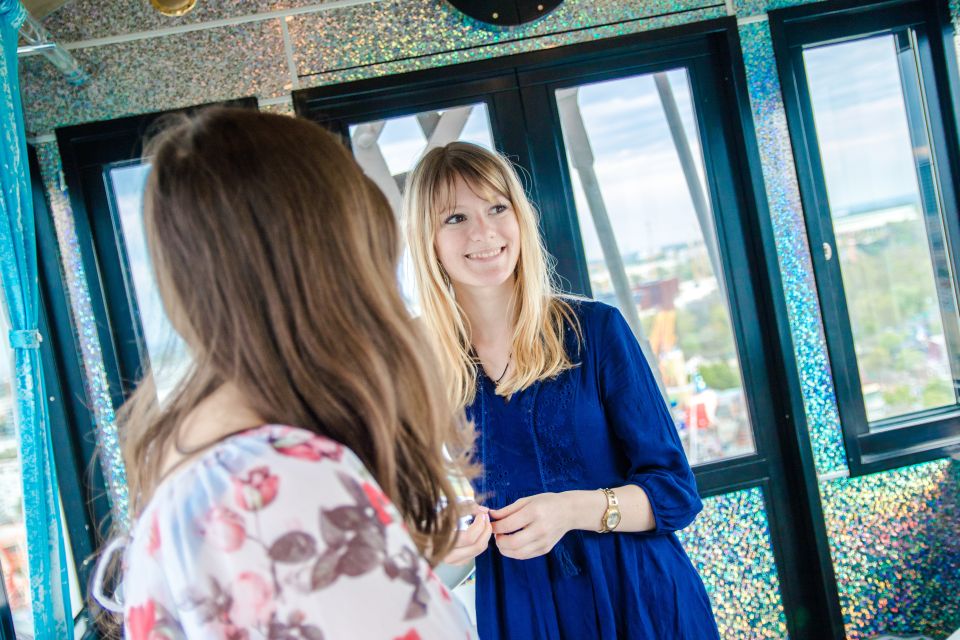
(163, 344)
(861, 123)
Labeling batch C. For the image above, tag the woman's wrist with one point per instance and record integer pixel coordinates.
(585, 509)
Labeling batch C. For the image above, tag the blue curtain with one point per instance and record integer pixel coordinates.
(49, 584)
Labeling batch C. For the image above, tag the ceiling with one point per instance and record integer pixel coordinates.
(40, 9)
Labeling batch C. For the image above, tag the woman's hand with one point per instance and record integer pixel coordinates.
(531, 526)
(473, 540)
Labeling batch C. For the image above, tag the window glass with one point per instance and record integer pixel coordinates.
(651, 246)
(886, 216)
(387, 150)
(169, 358)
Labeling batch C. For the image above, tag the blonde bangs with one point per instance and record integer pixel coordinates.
(542, 316)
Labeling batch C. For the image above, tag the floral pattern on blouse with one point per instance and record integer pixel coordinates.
(282, 534)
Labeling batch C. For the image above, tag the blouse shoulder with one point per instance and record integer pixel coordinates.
(277, 531)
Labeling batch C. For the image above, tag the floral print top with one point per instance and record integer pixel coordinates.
(282, 534)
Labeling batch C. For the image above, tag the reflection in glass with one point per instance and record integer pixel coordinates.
(387, 150)
(169, 358)
(886, 216)
(651, 247)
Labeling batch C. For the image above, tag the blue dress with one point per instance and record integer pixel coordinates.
(600, 424)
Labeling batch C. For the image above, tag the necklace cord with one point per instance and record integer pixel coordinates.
(497, 382)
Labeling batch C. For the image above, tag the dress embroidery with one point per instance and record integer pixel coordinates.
(562, 460)
(600, 424)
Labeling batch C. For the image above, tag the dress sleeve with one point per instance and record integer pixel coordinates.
(296, 541)
(639, 417)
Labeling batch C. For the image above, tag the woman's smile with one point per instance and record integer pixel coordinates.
(487, 254)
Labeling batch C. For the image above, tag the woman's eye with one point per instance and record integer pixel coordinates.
(454, 219)
(499, 208)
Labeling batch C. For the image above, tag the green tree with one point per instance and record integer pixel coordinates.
(899, 398)
(938, 393)
(719, 375)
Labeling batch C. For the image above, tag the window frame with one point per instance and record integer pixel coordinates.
(916, 437)
(728, 215)
(87, 151)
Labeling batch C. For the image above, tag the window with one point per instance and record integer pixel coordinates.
(870, 116)
(650, 241)
(388, 149)
(168, 355)
(105, 176)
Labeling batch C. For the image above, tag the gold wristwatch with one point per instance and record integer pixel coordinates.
(611, 517)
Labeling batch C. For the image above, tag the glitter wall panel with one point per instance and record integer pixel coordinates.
(796, 270)
(403, 29)
(156, 74)
(402, 65)
(89, 19)
(729, 543)
(84, 324)
(284, 108)
(895, 540)
(333, 45)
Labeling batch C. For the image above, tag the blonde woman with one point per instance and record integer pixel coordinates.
(583, 472)
(291, 485)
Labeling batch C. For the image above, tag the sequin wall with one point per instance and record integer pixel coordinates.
(893, 535)
(896, 546)
(87, 337)
(796, 272)
(729, 543)
(227, 52)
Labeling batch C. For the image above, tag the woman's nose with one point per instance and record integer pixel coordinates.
(481, 229)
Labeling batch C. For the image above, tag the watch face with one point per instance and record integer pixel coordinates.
(613, 519)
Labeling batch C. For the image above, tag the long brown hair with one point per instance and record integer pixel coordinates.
(276, 260)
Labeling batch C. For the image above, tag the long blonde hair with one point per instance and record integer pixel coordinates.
(276, 260)
(540, 313)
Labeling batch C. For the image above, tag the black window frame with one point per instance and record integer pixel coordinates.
(782, 466)
(88, 152)
(83, 496)
(538, 86)
(916, 437)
